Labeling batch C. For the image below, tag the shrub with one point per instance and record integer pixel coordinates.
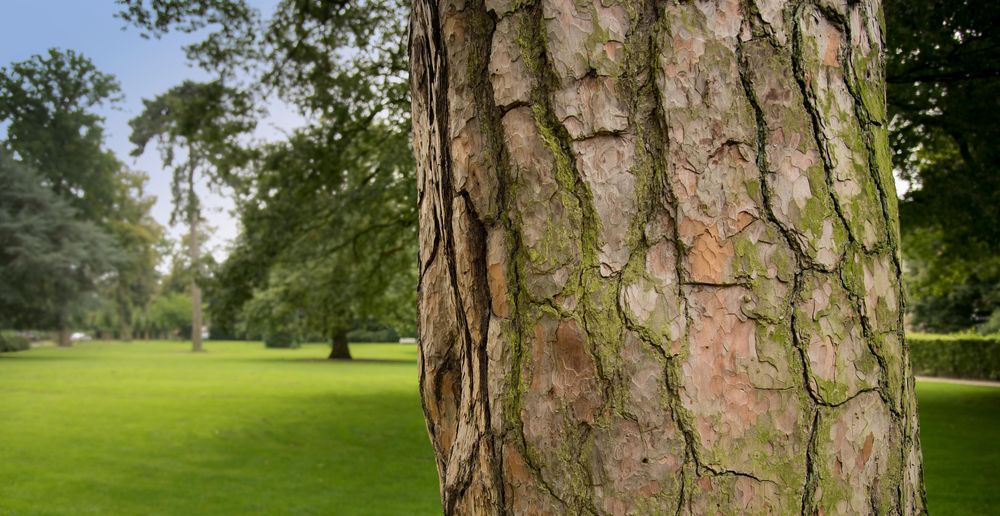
(10, 342)
(991, 326)
(373, 336)
(956, 356)
(281, 339)
(373, 331)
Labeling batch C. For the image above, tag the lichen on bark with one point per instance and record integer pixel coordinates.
(658, 258)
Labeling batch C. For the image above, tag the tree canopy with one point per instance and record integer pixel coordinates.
(49, 260)
(49, 103)
(196, 127)
(943, 76)
(52, 130)
(327, 213)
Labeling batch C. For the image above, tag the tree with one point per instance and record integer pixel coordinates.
(327, 240)
(49, 261)
(942, 90)
(169, 315)
(48, 103)
(659, 259)
(132, 286)
(328, 215)
(197, 127)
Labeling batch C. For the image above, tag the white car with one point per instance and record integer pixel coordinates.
(78, 336)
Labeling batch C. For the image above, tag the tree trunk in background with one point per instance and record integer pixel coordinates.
(659, 264)
(126, 326)
(339, 348)
(194, 255)
(63, 338)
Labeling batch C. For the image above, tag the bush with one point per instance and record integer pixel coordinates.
(282, 340)
(956, 356)
(12, 342)
(386, 334)
(991, 326)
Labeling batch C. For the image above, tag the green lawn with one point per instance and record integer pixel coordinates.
(960, 434)
(149, 428)
(110, 428)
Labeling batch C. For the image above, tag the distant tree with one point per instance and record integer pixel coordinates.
(49, 103)
(138, 234)
(943, 74)
(197, 127)
(328, 215)
(169, 315)
(331, 251)
(49, 260)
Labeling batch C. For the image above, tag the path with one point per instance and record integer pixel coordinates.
(937, 379)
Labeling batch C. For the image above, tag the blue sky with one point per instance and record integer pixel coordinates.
(145, 69)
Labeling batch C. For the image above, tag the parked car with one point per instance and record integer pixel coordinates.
(79, 336)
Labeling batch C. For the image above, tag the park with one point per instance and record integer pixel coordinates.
(499, 257)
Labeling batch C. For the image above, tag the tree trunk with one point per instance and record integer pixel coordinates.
(125, 329)
(339, 349)
(63, 338)
(659, 264)
(194, 255)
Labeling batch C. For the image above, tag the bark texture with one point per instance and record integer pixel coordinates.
(659, 266)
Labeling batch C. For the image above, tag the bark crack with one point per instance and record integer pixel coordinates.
(809, 486)
(680, 415)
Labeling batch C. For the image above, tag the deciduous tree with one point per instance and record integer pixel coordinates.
(328, 238)
(328, 214)
(48, 104)
(943, 76)
(48, 108)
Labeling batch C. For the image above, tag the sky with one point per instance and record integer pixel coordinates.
(144, 67)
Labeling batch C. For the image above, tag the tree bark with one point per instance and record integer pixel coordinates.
(659, 266)
(339, 349)
(194, 255)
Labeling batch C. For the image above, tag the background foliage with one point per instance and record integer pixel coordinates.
(943, 72)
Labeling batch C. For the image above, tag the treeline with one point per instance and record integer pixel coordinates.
(327, 212)
(75, 223)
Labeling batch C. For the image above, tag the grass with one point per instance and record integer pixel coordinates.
(111, 428)
(147, 428)
(960, 435)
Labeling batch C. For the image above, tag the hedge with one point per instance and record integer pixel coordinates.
(12, 342)
(955, 356)
(281, 340)
(373, 335)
